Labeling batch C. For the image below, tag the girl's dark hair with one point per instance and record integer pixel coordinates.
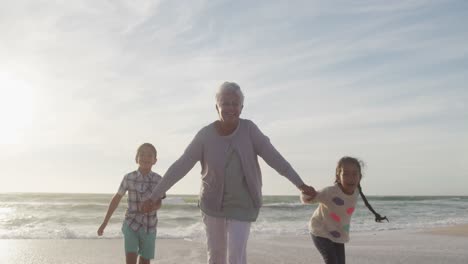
(149, 145)
(359, 164)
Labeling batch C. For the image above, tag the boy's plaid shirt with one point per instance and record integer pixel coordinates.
(139, 189)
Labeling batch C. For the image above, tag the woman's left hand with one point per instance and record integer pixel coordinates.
(308, 190)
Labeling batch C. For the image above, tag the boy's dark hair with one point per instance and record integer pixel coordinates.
(149, 145)
(359, 164)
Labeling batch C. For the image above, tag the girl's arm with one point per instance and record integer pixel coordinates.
(320, 197)
(112, 206)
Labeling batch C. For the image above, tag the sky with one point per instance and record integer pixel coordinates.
(84, 83)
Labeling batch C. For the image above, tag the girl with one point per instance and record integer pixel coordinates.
(139, 228)
(329, 225)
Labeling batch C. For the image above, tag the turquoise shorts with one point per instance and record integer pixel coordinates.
(139, 242)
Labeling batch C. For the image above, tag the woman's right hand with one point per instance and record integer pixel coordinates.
(149, 206)
(155, 206)
(146, 206)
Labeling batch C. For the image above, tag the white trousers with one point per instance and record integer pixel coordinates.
(226, 236)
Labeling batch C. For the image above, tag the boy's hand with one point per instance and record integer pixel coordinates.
(155, 206)
(101, 229)
(149, 206)
(146, 205)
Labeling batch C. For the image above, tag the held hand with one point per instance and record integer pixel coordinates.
(307, 198)
(309, 191)
(144, 208)
(149, 206)
(156, 206)
(101, 229)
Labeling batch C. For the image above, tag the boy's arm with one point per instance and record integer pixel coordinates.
(112, 206)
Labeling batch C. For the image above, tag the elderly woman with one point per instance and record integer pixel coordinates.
(230, 194)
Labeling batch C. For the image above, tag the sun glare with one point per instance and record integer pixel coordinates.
(16, 108)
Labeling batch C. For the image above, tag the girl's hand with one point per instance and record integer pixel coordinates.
(307, 198)
(308, 190)
(101, 229)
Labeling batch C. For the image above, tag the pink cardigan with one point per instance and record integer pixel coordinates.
(210, 149)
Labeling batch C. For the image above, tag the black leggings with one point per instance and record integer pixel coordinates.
(332, 253)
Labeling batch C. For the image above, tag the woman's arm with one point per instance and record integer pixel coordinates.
(192, 154)
(274, 159)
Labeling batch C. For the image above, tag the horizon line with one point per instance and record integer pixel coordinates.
(179, 194)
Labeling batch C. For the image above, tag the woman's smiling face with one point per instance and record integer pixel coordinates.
(229, 107)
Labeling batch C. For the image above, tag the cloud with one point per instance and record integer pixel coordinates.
(347, 75)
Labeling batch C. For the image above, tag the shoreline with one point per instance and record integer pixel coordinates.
(431, 246)
(459, 230)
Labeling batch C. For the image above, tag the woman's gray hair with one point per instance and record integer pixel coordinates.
(230, 87)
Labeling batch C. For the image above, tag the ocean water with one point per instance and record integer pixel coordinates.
(76, 216)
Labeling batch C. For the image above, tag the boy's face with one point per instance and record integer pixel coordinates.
(146, 158)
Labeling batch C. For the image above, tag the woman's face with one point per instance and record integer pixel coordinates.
(229, 108)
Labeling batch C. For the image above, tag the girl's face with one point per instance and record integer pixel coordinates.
(146, 158)
(229, 108)
(349, 178)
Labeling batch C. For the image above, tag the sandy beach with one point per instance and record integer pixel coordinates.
(434, 246)
(458, 230)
